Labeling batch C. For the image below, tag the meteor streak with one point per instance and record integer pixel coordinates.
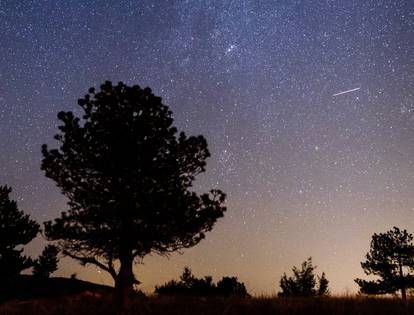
(347, 91)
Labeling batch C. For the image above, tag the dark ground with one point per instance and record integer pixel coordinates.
(88, 303)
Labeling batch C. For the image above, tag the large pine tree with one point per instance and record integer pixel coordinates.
(128, 177)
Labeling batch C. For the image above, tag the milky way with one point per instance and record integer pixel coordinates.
(306, 173)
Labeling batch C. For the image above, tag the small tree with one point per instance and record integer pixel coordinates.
(323, 285)
(47, 262)
(128, 177)
(391, 258)
(16, 230)
(303, 282)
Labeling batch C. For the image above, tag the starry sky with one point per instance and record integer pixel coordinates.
(307, 172)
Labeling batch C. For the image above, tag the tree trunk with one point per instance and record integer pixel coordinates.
(124, 283)
(403, 294)
(402, 282)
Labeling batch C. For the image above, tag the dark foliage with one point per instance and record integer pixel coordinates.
(47, 262)
(391, 258)
(323, 285)
(303, 282)
(189, 285)
(16, 230)
(127, 175)
(230, 286)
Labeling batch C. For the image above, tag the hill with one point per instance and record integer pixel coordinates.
(30, 287)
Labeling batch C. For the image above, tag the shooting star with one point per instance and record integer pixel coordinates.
(347, 91)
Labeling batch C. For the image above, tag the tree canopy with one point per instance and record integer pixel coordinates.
(303, 282)
(391, 259)
(127, 175)
(16, 230)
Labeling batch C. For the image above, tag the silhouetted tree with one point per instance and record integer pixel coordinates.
(47, 262)
(303, 282)
(323, 285)
(16, 230)
(187, 277)
(230, 286)
(127, 175)
(192, 286)
(391, 258)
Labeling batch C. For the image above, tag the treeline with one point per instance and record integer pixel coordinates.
(303, 283)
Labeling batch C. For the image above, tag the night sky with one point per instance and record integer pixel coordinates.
(308, 170)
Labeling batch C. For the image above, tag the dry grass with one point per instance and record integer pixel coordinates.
(80, 304)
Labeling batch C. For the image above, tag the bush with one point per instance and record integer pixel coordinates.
(229, 286)
(191, 286)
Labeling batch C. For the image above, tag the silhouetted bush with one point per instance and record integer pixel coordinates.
(229, 286)
(190, 285)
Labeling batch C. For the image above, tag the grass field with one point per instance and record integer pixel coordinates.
(89, 304)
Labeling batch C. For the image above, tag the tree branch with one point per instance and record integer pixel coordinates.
(91, 260)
